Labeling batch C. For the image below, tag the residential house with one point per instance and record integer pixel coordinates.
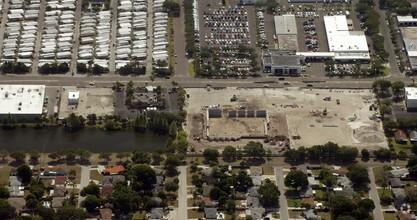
(114, 170)
(59, 180)
(59, 191)
(398, 173)
(112, 179)
(255, 170)
(313, 183)
(206, 190)
(406, 216)
(255, 213)
(16, 188)
(253, 191)
(210, 213)
(306, 192)
(207, 177)
(399, 197)
(344, 182)
(106, 214)
(413, 135)
(310, 215)
(18, 203)
(257, 180)
(156, 213)
(400, 136)
(396, 183)
(107, 190)
(252, 201)
(57, 202)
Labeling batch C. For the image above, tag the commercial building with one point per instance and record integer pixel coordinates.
(411, 98)
(281, 63)
(346, 45)
(22, 101)
(250, 2)
(73, 97)
(409, 35)
(406, 21)
(286, 32)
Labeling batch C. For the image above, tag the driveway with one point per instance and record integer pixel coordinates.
(182, 193)
(283, 206)
(373, 194)
(180, 61)
(85, 180)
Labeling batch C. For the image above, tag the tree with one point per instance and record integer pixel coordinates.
(37, 189)
(172, 7)
(85, 155)
(92, 189)
(386, 199)
(411, 194)
(358, 175)
(25, 173)
(9, 121)
(34, 156)
(173, 130)
(6, 210)
(70, 212)
(397, 87)
(367, 204)
(295, 155)
(91, 202)
(243, 181)
(140, 157)
(171, 162)
(171, 187)
(157, 157)
(229, 153)
(105, 156)
(254, 149)
(143, 176)
(140, 123)
(341, 205)
(18, 156)
(124, 199)
(327, 178)
(210, 154)
(4, 193)
(347, 154)
(381, 86)
(269, 194)
(81, 68)
(73, 123)
(296, 179)
(365, 154)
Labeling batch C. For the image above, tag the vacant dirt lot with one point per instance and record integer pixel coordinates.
(99, 101)
(236, 127)
(302, 115)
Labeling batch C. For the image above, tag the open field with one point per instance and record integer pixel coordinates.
(302, 115)
(99, 101)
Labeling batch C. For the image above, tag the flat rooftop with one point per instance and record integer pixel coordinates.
(21, 99)
(285, 24)
(340, 39)
(411, 92)
(409, 35)
(280, 58)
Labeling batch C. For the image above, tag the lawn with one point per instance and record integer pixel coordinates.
(382, 192)
(268, 170)
(325, 215)
(402, 147)
(139, 215)
(294, 214)
(316, 172)
(389, 216)
(95, 175)
(77, 172)
(4, 175)
(194, 214)
(320, 195)
(294, 202)
(191, 69)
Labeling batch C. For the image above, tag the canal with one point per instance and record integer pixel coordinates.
(92, 139)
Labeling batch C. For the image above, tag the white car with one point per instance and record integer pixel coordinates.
(91, 83)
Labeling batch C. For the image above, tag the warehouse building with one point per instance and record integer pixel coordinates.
(22, 101)
(411, 98)
(281, 63)
(286, 32)
(409, 35)
(348, 46)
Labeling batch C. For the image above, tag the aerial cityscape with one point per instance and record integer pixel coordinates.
(209, 109)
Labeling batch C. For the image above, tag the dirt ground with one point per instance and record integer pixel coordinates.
(236, 127)
(293, 112)
(99, 101)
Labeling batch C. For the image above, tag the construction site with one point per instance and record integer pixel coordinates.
(281, 118)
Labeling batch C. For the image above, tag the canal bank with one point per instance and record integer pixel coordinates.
(93, 139)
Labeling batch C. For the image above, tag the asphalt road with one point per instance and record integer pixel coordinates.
(41, 21)
(180, 60)
(373, 194)
(182, 193)
(283, 205)
(77, 15)
(149, 44)
(85, 180)
(113, 36)
(3, 24)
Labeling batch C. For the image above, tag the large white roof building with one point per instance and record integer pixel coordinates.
(23, 100)
(411, 98)
(346, 44)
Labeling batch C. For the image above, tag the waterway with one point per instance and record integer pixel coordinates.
(92, 139)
